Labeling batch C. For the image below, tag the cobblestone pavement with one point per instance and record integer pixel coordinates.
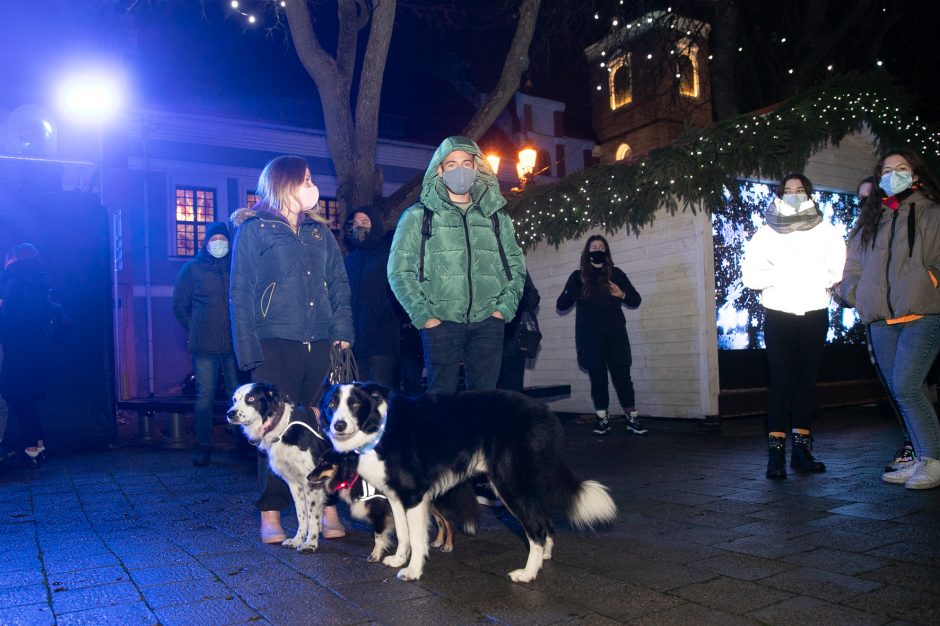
(138, 535)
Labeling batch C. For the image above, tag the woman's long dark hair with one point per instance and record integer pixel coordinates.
(595, 280)
(868, 220)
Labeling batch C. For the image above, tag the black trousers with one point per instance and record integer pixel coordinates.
(24, 426)
(298, 370)
(794, 350)
(617, 360)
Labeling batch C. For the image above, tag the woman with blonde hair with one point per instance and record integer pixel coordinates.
(289, 302)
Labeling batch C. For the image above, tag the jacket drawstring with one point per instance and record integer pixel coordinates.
(911, 224)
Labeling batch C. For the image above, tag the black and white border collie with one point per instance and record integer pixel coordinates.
(413, 449)
(290, 435)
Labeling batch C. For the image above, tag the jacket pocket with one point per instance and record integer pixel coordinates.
(267, 297)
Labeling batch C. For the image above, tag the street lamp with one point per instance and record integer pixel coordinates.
(92, 98)
(493, 160)
(526, 164)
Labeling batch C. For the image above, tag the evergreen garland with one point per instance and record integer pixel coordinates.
(694, 172)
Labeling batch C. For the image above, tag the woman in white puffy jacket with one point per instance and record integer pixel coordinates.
(793, 260)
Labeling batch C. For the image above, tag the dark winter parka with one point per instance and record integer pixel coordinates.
(285, 285)
(200, 299)
(375, 311)
(599, 321)
(25, 330)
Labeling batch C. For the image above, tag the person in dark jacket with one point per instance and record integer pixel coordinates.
(200, 304)
(25, 333)
(512, 371)
(289, 300)
(601, 290)
(375, 310)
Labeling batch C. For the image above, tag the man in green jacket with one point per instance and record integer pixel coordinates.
(456, 268)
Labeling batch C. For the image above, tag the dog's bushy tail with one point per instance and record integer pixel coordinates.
(591, 506)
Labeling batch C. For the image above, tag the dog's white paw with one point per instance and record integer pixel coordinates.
(408, 574)
(307, 547)
(394, 560)
(521, 576)
(293, 542)
(375, 557)
(447, 548)
(436, 543)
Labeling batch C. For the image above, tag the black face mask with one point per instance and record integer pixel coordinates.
(359, 233)
(597, 257)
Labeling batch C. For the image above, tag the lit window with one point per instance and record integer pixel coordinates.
(251, 199)
(195, 208)
(329, 208)
(623, 151)
(687, 68)
(620, 82)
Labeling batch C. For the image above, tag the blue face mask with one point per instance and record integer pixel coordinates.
(795, 200)
(459, 180)
(895, 182)
(218, 248)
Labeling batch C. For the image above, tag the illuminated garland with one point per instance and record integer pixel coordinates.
(693, 171)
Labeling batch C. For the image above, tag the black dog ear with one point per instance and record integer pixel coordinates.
(376, 391)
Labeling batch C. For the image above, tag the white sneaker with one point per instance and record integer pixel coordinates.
(926, 475)
(900, 476)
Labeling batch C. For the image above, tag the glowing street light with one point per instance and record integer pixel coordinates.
(91, 98)
(493, 160)
(526, 164)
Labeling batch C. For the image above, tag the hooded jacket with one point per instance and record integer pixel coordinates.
(892, 276)
(285, 285)
(374, 309)
(200, 298)
(464, 278)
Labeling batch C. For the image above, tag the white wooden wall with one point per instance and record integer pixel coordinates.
(672, 334)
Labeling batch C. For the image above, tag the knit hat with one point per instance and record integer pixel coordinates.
(217, 228)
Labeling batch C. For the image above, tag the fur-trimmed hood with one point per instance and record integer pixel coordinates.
(244, 214)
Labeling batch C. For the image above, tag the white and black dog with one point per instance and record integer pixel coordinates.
(290, 435)
(413, 449)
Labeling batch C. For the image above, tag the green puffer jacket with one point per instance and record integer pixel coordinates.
(464, 276)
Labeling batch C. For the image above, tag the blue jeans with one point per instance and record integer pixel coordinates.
(206, 367)
(478, 345)
(904, 354)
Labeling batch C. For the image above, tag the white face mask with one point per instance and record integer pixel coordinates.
(218, 248)
(795, 199)
(895, 182)
(308, 196)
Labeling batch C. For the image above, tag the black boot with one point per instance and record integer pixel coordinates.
(801, 459)
(777, 457)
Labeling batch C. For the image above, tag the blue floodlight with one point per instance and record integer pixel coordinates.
(92, 97)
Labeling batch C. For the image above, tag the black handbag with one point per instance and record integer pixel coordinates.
(528, 335)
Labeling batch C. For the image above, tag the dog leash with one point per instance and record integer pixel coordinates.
(305, 425)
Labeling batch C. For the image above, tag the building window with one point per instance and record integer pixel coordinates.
(687, 69)
(560, 169)
(623, 151)
(251, 199)
(329, 208)
(195, 208)
(620, 82)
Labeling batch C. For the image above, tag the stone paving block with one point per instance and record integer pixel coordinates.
(776, 528)
(60, 563)
(302, 601)
(919, 607)
(94, 597)
(800, 611)
(87, 578)
(742, 566)
(214, 611)
(768, 547)
(871, 510)
(20, 596)
(21, 578)
(621, 601)
(850, 524)
(849, 542)
(330, 568)
(687, 614)
(911, 551)
(186, 592)
(430, 611)
(917, 577)
(590, 619)
(133, 614)
(730, 594)
(29, 615)
(899, 531)
(838, 561)
(821, 584)
(660, 576)
(528, 608)
(705, 535)
(170, 573)
(374, 595)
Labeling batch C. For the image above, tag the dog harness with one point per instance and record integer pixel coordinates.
(305, 425)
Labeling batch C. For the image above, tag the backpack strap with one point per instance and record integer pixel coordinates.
(499, 244)
(425, 235)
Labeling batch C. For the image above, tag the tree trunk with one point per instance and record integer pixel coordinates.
(723, 44)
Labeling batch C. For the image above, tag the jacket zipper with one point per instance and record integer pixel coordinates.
(894, 219)
(466, 234)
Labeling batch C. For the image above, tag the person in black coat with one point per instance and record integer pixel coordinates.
(25, 330)
(376, 313)
(512, 372)
(600, 290)
(200, 304)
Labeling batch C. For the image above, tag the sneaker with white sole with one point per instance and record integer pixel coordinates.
(903, 458)
(633, 423)
(926, 474)
(900, 476)
(601, 426)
